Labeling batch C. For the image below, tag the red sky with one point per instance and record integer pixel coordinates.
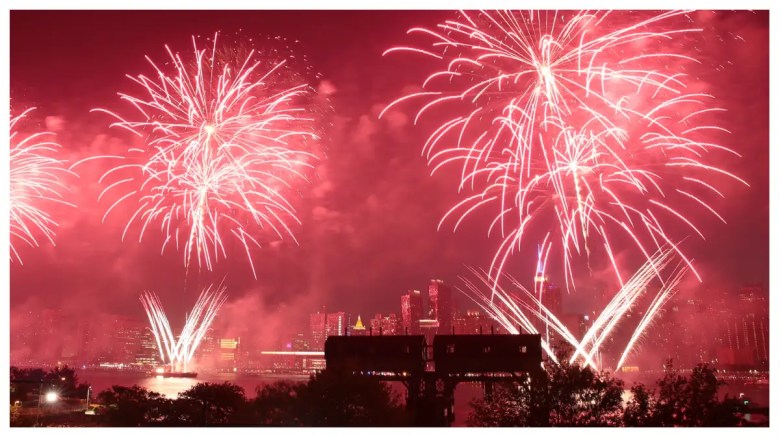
(370, 216)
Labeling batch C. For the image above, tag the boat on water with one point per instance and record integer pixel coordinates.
(190, 375)
(161, 372)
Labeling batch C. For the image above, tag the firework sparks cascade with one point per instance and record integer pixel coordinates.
(585, 125)
(227, 137)
(36, 181)
(177, 352)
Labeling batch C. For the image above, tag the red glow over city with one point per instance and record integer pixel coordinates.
(284, 181)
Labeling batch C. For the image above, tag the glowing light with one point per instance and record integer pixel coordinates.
(227, 137)
(577, 124)
(52, 397)
(178, 352)
(36, 182)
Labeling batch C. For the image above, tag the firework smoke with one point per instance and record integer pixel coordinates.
(178, 352)
(581, 124)
(226, 137)
(36, 181)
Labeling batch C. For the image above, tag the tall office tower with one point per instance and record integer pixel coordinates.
(318, 332)
(411, 312)
(441, 306)
(148, 354)
(384, 325)
(336, 324)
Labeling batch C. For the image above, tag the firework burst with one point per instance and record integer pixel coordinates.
(227, 134)
(518, 309)
(36, 182)
(586, 125)
(178, 352)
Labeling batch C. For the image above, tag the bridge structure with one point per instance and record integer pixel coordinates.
(430, 373)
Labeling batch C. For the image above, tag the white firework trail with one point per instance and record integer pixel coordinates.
(178, 352)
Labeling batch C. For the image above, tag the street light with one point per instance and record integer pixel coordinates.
(50, 397)
(89, 389)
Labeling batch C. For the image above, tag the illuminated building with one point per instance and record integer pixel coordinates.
(208, 345)
(441, 305)
(746, 341)
(359, 329)
(411, 312)
(384, 325)
(317, 330)
(472, 322)
(148, 354)
(228, 353)
(324, 324)
(548, 295)
(300, 343)
(286, 361)
(336, 324)
(127, 339)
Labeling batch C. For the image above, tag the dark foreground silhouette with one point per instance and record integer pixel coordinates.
(568, 395)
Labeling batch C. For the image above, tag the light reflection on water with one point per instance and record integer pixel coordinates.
(170, 387)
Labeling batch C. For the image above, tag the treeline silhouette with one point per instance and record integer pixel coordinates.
(565, 395)
(574, 396)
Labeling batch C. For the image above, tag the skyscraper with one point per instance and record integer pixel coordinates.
(318, 330)
(384, 325)
(440, 303)
(324, 324)
(411, 312)
(336, 324)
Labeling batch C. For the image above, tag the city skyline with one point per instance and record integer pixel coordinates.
(736, 335)
(389, 217)
(365, 221)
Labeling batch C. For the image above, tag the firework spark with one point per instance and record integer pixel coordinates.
(524, 310)
(36, 181)
(178, 352)
(582, 124)
(226, 136)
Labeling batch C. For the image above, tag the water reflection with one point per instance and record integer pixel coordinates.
(169, 387)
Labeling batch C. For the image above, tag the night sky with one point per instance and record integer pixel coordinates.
(370, 215)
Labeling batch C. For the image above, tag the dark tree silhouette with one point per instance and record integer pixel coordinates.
(132, 406)
(336, 399)
(220, 403)
(564, 395)
(329, 399)
(683, 401)
(27, 383)
(278, 404)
